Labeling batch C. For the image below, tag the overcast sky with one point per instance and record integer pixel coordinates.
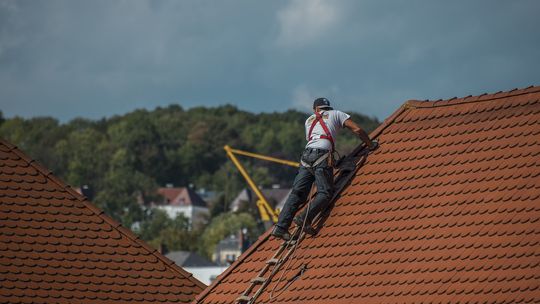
(71, 58)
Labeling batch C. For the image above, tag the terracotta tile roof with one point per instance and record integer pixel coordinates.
(447, 210)
(182, 196)
(56, 247)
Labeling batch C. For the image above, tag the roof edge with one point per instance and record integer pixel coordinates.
(387, 122)
(113, 223)
(470, 98)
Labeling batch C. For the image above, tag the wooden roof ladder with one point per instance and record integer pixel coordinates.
(345, 171)
(272, 266)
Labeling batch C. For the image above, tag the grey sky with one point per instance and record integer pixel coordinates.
(98, 58)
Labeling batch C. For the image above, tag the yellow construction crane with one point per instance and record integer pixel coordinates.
(267, 212)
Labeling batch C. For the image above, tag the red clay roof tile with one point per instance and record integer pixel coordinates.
(56, 247)
(446, 210)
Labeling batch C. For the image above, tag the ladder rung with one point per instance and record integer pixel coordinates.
(274, 261)
(258, 280)
(242, 299)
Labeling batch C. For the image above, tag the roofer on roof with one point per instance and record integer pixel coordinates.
(316, 166)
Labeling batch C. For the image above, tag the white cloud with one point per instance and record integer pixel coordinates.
(303, 21)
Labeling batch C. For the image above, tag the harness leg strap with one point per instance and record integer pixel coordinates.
(317, 162)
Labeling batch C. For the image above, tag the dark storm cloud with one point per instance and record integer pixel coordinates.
(98, 58)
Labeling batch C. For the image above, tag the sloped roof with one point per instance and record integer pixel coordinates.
(446, 210)
(56, 247)
(182, 196)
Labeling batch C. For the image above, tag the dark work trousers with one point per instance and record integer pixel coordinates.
(322, 174)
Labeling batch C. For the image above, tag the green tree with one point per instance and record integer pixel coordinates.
(224, 225)
(156, 221)
(176, 234)
(137, 136)
(125, 190)
(86, 154)
(37, 137)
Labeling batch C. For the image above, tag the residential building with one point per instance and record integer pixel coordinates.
(230, 248)
(182, 200)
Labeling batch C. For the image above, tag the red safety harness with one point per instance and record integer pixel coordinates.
(328, 135)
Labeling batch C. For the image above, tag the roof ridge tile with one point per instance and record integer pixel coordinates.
(478, 98)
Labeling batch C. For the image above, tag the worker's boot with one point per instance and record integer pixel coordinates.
(299, 221)
(281, 233)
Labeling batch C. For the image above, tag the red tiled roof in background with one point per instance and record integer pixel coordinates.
(446, 210)
(56, 247)
(182, 196)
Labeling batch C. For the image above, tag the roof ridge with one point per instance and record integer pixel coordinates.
(113, 223)
(413, 103)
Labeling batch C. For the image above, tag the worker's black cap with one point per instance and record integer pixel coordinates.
(321, 102)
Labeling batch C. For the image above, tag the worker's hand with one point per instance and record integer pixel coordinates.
(374, 145)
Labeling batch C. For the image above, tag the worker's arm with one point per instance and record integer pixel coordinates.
(356, 129)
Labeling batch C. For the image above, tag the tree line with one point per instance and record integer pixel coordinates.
(125, 158)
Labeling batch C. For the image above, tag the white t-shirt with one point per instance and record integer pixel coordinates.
(334, 120)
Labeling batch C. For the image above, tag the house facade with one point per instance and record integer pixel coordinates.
(182, 200)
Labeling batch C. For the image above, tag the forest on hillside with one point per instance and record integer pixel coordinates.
(127, 157)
